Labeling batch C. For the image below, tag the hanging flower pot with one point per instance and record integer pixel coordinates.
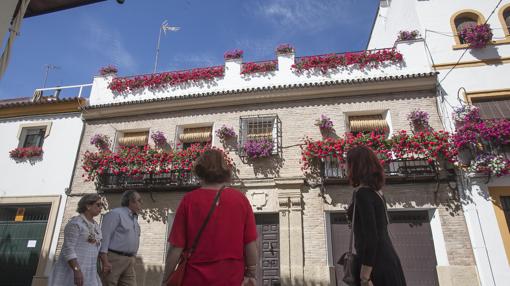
(477, 36)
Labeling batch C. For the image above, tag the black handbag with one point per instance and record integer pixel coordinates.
(349, 260)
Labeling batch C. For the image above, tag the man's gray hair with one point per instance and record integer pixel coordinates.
(127, 196)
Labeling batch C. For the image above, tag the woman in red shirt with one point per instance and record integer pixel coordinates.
(226, 253)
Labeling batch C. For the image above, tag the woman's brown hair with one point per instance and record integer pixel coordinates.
(212, 167)
(364, 168)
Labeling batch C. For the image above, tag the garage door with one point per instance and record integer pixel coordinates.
(268, 273)
(412, 237)
(21, 236)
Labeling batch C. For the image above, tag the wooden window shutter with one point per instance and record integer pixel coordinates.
(196, 135)
(134, 138)
(365, 123)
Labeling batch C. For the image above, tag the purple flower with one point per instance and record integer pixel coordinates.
(324, 122)
(159, 139)
(225, 132)
(233, 54)
(418, 119)
(477, 36)
(101, 141)
(258, 148)
(408, 35)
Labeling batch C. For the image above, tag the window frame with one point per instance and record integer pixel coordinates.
(276, 131)
(480, 19)
(504, 25)
(23, 130)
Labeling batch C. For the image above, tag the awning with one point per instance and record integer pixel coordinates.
(134, 138)
(494, 109)
(367, 123)
(195, 135)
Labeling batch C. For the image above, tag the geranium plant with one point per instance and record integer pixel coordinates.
(101, 141)
(107, 70)
(372, 58)
(477, 36)
(134, 161)
(159, 139)
(162, 80)
(490, 164)
(225, 132)
(324, 123)
(249, 68)
(285, 49)
(258, 148)
(419, 120)
(26, 152)
(408, 35)
(233, 54)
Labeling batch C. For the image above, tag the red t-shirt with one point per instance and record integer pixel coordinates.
(219, 256)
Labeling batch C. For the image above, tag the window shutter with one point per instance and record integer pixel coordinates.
(134, 138)
(367, 123)
(196, 135)
(494, 109)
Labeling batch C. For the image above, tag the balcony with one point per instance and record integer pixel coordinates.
(400, 170)
(174, 181)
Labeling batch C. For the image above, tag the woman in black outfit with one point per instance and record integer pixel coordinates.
(380, 265)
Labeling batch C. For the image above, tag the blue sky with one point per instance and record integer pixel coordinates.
(80, 41)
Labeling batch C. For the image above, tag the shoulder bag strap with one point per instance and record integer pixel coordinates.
(211, 210)
(353, 219)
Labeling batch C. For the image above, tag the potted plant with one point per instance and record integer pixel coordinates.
(159, 139)
(258, 148)
(324, 123)
(108, 70)
(225, 132)
(233, 54)
(418, 120)
(408, 35)
(101, 141)
(490, 164)
(21, 153)
(285, 49)
(476, 36)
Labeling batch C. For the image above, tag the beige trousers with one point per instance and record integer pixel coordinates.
(123, 271)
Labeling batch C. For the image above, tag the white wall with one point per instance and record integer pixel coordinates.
(49, 176)
(415, 61)
(433, 22)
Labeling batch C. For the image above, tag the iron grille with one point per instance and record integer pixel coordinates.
(260, 127)
(175, 180)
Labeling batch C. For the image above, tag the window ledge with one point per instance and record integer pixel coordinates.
(493, 43)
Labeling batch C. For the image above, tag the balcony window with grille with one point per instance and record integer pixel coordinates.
(32, 137)
(138, 139)
(195, 135)
(368, 123)
(261, 127)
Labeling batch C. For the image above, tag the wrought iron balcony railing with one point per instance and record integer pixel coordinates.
(175, 180)
(401, 169)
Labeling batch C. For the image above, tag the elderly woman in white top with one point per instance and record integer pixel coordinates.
(77, 264)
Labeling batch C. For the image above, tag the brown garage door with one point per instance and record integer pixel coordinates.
(268, 273)
(412, 237)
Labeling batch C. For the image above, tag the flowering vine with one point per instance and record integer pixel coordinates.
(161, 80)
(372, 58)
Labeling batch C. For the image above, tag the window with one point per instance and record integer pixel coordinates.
(138, 138)
(504, 18)
(260, 127)
(195, 135)
(368, 123)
(493, 104)
(463, 19)
(33, 137)
(505, 204)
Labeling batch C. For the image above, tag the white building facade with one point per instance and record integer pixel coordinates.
(467, 76)
(38, 153)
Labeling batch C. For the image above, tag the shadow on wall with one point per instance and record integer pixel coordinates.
(148, 275)
(156, 205)
(306, 282)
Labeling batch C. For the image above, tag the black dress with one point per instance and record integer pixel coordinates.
(372, 241)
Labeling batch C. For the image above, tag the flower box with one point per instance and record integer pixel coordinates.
(408, 35)
(26, 153)
(233, 54)
(285, 49)
(258, 148)
(256, 67)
